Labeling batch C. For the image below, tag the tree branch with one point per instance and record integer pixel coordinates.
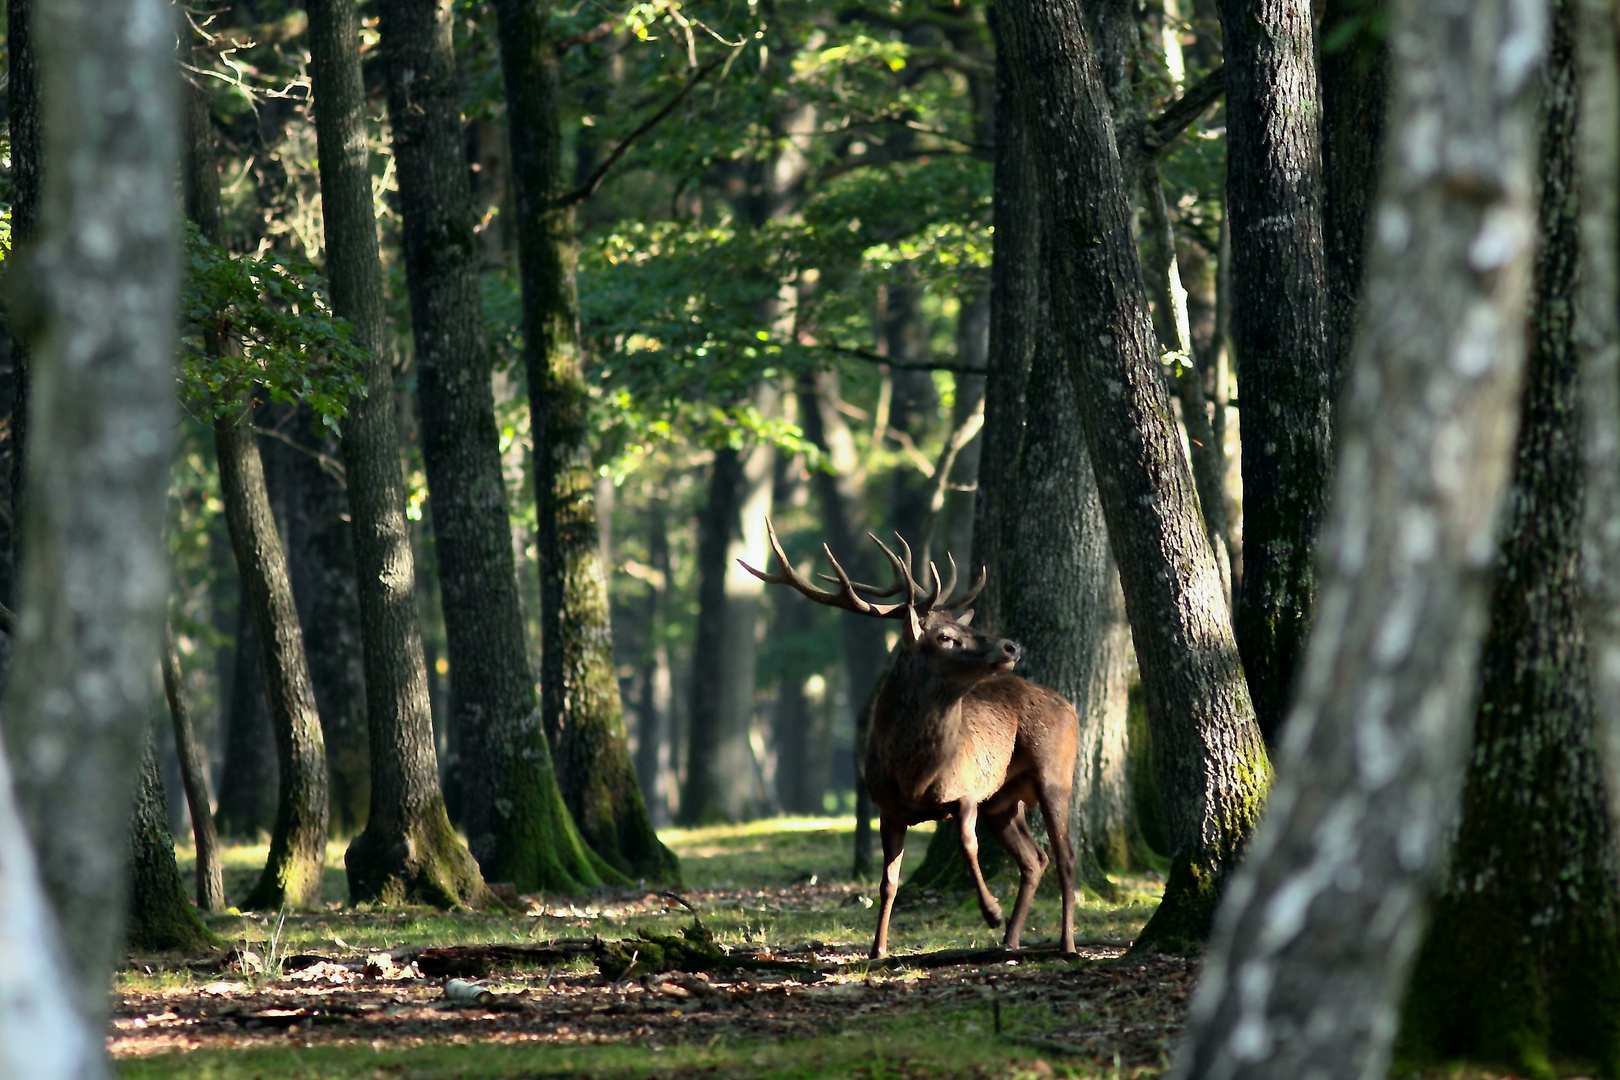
(1158, 133)
(595, 33)
(589, 188)
(878, 358)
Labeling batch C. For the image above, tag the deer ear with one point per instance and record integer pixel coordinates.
(914, 628)
(966, 618)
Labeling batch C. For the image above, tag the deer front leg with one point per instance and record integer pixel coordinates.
(893, 834)
(967, 817)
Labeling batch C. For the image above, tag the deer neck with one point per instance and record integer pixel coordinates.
(918, 718)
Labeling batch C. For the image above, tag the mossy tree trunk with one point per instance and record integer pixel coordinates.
(579, 693)
(292, 876)
(98, 307)
(1314, 942)
(1211, 761)
(408, 850)
(517, 825)
(1280, 325)
(1521, 966)
(161, 917)
(302, 464)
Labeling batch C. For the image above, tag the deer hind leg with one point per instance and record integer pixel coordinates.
(1013, 832)
(1055, 808)
(893, 835)
(967, 817)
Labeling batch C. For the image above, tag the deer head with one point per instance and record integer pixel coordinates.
(930, 626)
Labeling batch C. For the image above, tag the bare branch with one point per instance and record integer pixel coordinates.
(1158, 133)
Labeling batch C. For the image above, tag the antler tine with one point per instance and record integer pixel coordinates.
(902, 570)
(951, 560)
(916, 589)
(972, 594)
(871, 591)
(933, 598)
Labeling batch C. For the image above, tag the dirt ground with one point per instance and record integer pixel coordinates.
(369, 994)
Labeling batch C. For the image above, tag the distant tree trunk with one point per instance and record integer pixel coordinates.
(1354, 67)
(194, 771)
(98, 305)
(1521, 966)
(292, 876)
(307, 486)
(740, 790)
(408, 850)
(1280, 313)
(655, 724)
(247, 778)
(1305, 972)
(719, 765)
(516, 823)
(579, 694)
(27, 156)
(1207, 750)
(161, 917)
(866, 653)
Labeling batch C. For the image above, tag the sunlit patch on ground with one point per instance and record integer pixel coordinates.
(358, 1005)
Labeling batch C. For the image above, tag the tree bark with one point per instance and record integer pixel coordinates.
(408, 850)
(655, 726)
(247, 778)
(27, 157)
(516, 823)
(1308, 962)
(292, 876)
(1354, 68)
(161, 918)
(1521, 966)
(1210, 759)
(97, 309)
(194, 771)
(579, 694)
(41, 1033)
(1284, 365)
(307, 488)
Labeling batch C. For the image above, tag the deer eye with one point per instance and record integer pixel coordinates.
(947, 642)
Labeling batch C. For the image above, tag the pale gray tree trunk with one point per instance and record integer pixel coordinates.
(1314, 941)
(99, 314)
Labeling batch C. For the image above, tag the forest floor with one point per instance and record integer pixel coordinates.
(360, 994)
(342, 993)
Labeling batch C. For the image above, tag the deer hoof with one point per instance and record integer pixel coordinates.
(992, 914)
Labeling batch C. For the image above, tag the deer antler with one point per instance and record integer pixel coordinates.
(847, 597)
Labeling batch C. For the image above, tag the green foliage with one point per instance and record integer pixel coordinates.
(262, 320)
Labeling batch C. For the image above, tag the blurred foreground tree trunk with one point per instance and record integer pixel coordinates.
(1521, 966)
(1314, 942)
(580, 708)
(96, 306)
(1210, 759)
(516, 823)
(408, 850)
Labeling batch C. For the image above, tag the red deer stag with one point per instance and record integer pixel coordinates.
(954, 733)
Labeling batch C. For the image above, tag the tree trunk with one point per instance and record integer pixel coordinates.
(27, 157)
(42, 1036)
(579, 693)
(1284, 364)
(304, 471)
(719, 764)
(292, 876)
(655, 726)
(161, 917)
(408, 850)
(98, 309)
(1210, 758)
(247, 777)
(1306, 969)
(1354, 67)
(194, 771)
(1521, 966)
(516, 823)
